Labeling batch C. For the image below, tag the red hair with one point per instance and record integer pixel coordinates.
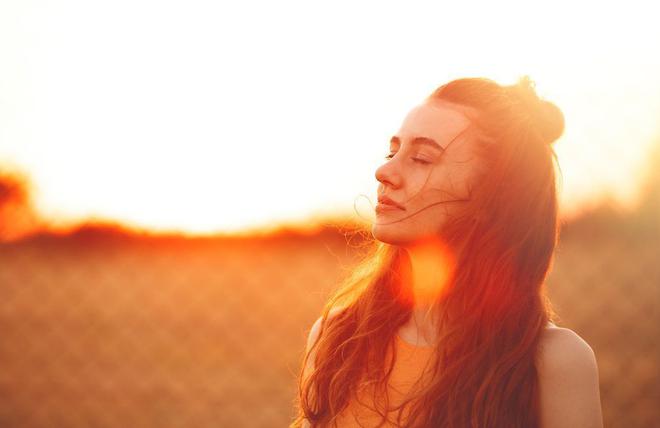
(495, 307)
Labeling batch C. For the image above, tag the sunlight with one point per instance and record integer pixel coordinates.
(195, 117)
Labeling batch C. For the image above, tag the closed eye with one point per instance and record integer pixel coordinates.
(422, 161)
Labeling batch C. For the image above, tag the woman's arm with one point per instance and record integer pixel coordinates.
(311, 339)
(568, 381)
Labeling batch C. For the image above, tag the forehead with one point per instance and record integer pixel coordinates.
(438, 120)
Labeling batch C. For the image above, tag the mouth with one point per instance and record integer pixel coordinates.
(385, 201)
(382, 207)
(385, 204)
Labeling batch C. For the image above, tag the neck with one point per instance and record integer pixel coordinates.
(431, 267)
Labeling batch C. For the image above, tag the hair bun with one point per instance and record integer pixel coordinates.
(550, 121)
(548, 118)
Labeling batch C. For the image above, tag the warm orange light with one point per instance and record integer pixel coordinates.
(222, 125)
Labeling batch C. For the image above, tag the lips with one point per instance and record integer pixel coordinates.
(389, 203)
(385, 208)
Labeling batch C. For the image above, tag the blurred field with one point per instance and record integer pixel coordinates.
(107, 329)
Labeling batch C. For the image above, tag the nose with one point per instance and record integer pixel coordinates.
(388, 175)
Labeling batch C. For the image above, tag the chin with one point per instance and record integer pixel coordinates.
(389, 234)
(396, 234)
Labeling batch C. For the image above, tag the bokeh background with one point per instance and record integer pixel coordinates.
(182, 184)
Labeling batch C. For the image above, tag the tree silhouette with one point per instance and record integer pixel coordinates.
(17, 216)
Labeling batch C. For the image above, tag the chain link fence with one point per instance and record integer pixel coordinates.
(104, 329)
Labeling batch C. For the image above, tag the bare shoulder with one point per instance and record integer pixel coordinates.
(563, 349)
(316, 327)
(312, 337)
(568, 380)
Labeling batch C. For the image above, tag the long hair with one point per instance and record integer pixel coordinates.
(495, 307)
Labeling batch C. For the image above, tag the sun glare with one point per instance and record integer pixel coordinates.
(201, 118)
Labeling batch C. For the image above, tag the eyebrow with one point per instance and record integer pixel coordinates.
(419, 140)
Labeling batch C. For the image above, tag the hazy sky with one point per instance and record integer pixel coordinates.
(208, 116)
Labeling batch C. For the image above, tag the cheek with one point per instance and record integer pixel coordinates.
(442, 194)
(441, 183)
(450, 179)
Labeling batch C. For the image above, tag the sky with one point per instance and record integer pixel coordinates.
(212, 116)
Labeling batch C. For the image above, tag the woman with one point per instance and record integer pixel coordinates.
(446, 323)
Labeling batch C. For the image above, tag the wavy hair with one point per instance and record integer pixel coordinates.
(495, 307)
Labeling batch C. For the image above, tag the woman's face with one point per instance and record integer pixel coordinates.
(430, 166)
